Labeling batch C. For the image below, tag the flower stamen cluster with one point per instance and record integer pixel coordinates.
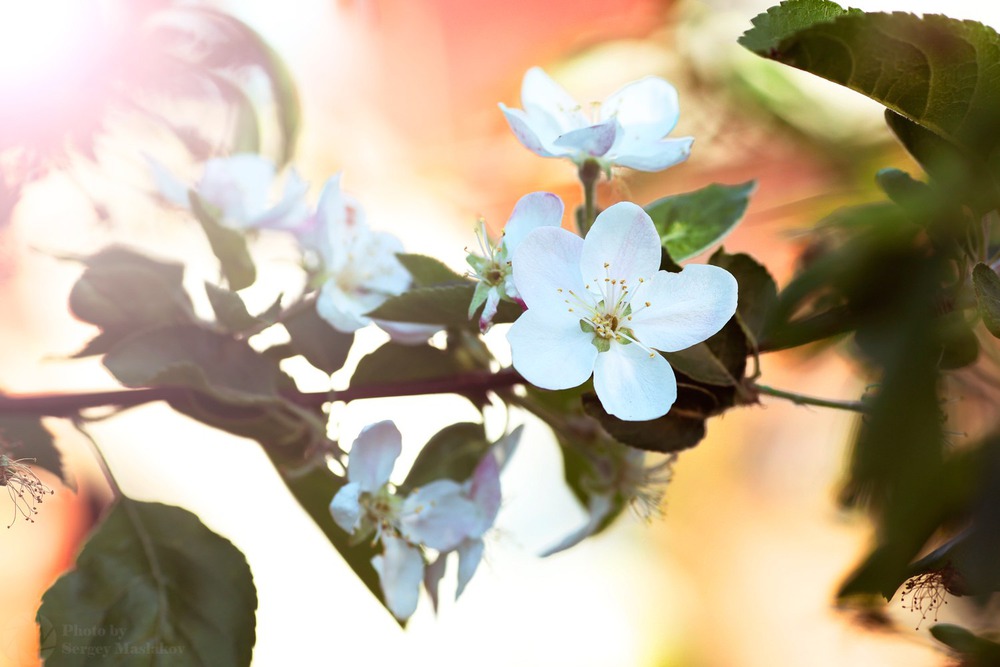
(26, 490)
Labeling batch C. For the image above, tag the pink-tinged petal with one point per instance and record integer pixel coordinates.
(373, 454)
(685, 308)
(650, 156)
(540, 91)
(345, 507)
(633, 384)
(484, 492)
(433, 574)
(507, 445)
(597, 509)
(527, 132)
(470, 554)
(533, 210)
(546, 268)
(595, 140)
(551, 354)
(622, 244)
(408, 333)
(345, 312)
(646, 108)
(489, 309)
(400, 570)
(438, 515)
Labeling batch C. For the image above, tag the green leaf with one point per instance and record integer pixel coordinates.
(311, 336)
(246, 126)
(25, 437)
(758, 293)
(699, 363)
(452, 453)
(427, 271)
(229, 245)
(681, 428)
(123, 291)
(693, 222)
(314, 490)
(939, 72)
(446, 305)
(190, 356)
(152, 586)
(976, 651)
(230, 311)
(394, 363)
(987, 285)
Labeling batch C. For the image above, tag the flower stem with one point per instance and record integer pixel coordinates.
(800, 399)
(590, 173)
(67, 405)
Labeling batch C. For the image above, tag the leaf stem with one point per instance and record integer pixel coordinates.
(68, 405)
(801, 399)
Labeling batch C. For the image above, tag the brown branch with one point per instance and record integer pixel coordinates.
(65, 405)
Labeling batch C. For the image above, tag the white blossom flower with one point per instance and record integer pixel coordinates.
(492, 268)
(443, 515)
(627, 129)
(239, 186)
(601, 306)
(358, 266)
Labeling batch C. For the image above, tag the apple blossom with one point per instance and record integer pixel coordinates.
(492, 268)
(627, 129)
(238, 186)
(600, 306)
(443, 515)
(358, 267)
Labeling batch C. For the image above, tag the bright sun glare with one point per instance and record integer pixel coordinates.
(37, 38)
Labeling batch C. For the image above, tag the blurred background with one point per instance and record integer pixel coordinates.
(402, 97)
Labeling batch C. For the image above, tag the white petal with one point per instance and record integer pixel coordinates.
(489, 308)
(685, 308)
(533, 210)
(595, 140)
(546, 268)
(345, 508)
(438, 515)
(650, 156)
(538, 90)
(624, 238)
(169, 186)
(400, 569)
(634, 384)
(345, 312)
(238, 185)
(529, 132)
(551, 354)
(506, 446)
(291, 210)
(373, 454)
(647, 108)
(470, 554)
(598, 508)
(408, 333)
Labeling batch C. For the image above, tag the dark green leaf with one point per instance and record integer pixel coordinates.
(939, 72)
(976, 651)
(123, 291)
(311, 336)
(693, 222)
(446, 305)
(229, 245)
(758, 294)
(681, 428)
(987, 285)
(427, 271)
(452, 453)
(699, 363)
(152, 586)
(394, 363)
(190, 356)
(25, 437)
(229, 308)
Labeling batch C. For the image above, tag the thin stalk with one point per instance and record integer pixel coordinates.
(801, 399)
